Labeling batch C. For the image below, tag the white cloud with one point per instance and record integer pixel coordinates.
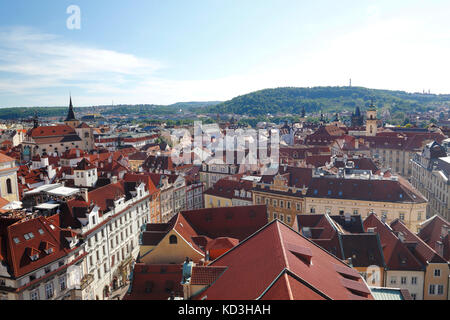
(395, 53)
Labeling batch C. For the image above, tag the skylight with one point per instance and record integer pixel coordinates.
(16, 240)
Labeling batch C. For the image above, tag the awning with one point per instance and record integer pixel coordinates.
(47, 206)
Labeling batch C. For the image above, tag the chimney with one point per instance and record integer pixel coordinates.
(85, 194)
(356, 143)
(347, 217)
(439, 248)
(78, 153)
(444, 231)
(371, 230)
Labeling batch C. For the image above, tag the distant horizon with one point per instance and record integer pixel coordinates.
(210, 101)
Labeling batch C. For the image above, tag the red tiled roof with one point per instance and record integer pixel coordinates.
(234, 222)
(396, 255)
(225, 188)
(155, 282)
(431, 232)
(84, 164)
(222, 243)
(49, 131)
(18, 254)
(256, 264)
(422, 251)
(369, 190)
(206, 275)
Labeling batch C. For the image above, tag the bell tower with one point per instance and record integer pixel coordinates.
(71, 121)
(371, 120)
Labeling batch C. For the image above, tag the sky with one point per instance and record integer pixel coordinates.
(162, 52)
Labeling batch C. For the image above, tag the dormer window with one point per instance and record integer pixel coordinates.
(34, 257)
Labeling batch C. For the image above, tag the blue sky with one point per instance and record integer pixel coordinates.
(163, 52)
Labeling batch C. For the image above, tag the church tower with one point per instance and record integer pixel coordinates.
(71, 121)
(371, 121)
(357, 119)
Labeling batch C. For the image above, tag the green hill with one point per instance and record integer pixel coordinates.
(292, 100)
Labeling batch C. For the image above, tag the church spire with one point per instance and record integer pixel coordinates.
(70, 114)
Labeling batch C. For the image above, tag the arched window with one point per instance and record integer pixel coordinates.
(173, 239)
(8, 186)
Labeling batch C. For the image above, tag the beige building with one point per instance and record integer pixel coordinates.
(283, 194)
(8, 178)
(389, 199)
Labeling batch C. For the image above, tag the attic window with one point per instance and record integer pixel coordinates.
(16, 240)
(49, 250)
(28, 236)
(41, 231)
(303, 253)
(52, 226)
(401, 195)
(34, 257)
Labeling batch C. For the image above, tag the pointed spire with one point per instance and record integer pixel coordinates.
(70, 114)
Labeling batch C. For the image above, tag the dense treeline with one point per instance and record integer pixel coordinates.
(293, 100)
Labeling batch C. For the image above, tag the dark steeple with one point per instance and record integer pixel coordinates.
(303, 112)
(35, 120)
(70, 114)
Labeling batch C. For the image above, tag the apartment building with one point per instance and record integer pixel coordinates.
(430, 175)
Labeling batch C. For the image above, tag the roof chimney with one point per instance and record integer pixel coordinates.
(85, 194)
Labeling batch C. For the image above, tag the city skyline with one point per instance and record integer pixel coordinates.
(162, 53)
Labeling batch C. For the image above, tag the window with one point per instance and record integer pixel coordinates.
(299, 206)
(34, 295)
(288, 219)
(8, 186)
(393, 280)
(173, 239)
(402, 216)
(49, 290)
(274, 216)
(440, 289)
(62, 283)
(414, 280)
(281, 217)
(41, 231)
(431, 289)
(312, 210)
(413, 296)
(403, 280)
(16, 240)
(437, 272)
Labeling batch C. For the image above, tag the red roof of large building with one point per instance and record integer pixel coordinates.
(396, 254)
(23, 239)
(155, 282)
(51, 131)
(278, 263)
(435, 233)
